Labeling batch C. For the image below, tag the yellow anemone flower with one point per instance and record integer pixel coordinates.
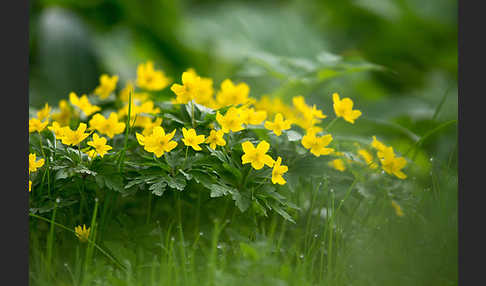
(36, 125)
(158, 142)
(74, 137)
(150, 78)
(107, 86)
(109, 126)
(33, 164)
(317, 145)
(278, 124)
(215, 138)
(231, 94)
(344, 108)
(230, 121)
(83, 104)
(192, 139)
(278, 171)
(99, 143)
(256, 156)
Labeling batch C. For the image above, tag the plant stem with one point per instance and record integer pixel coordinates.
(330, 124)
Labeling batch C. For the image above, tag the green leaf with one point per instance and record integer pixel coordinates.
(158, 188)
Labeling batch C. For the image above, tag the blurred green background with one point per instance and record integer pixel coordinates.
(404, 53)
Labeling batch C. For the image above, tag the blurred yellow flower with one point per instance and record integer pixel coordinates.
(231, 94)
(150, 78)
(44, 113)
(64, 115)
(108, 126)
(36, 125)
(57, 129)
(278, 124)
(107, 86)
(398, 208)
(149, 126)
(368, 158)
(338, 164)
(344, 108)
(83, 104)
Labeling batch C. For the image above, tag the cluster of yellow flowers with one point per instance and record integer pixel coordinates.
(242, 110)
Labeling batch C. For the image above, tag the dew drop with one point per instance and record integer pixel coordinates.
(301, 256)
(58, 200)
(96, 199)
(172, 238)
(201, 233)
(315, 235)
(219, 246)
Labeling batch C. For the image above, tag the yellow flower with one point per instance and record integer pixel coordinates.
(314, 130)
(99, 143)
(194, 87)
(250, 116)
(36, 125)
(278, 171)
(278, 124)
(149, 126)
(57, 129)
(231, 94)
(317, 145)
(344, 108)
(304, 115)
(74, 137)
(107, 86)
(82, 233)
(64, 114)
(391, 164)
(205, 91)
(83, 104)
(377, 144)
(44, 112)
(136, 118)
(230, 121)
(215, 138)
(256, 156)
(368, 158)
(33, 164)
(338, 164)
(149, 78)
(192, 139)
(125, 93)
(30, 186)
(110, 127)
(398, 208)
(158, 142)
(92, 153)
